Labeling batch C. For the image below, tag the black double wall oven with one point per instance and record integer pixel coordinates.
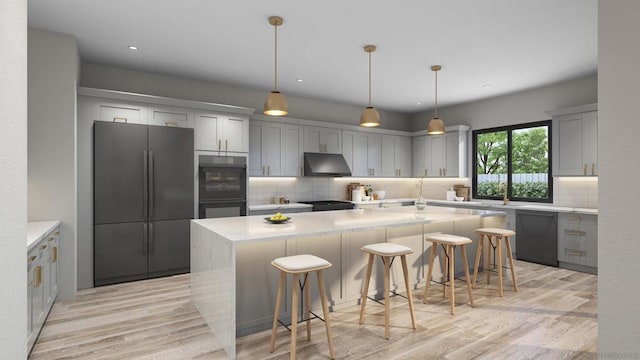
(222, 186)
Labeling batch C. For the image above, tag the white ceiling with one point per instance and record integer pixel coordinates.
(511, 44)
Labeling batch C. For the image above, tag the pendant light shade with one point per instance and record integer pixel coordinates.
(436, 125)
(275, 104)
(370, 116)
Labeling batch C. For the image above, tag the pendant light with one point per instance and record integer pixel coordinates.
(276, 104)
(436, 125)
(370, 116)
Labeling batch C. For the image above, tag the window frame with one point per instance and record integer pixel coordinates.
(509, 129)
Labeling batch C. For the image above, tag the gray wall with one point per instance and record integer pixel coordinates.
(13, 177)
(520, 107)
(105, 77)
(618, 129)
(54, 66)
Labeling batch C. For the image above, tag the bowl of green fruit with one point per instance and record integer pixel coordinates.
(278, 218)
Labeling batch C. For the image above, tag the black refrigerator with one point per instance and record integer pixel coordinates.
(143, 179)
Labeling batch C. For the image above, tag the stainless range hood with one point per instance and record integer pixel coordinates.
(324, 164)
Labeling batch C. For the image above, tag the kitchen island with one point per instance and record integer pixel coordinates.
(233, 284)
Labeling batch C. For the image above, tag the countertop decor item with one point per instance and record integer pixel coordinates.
(276, 104)
(421, 203)
(278, 221)
(370, 116)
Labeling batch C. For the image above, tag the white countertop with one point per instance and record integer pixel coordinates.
(279, 206)
(254, 228)
(497, 205)
(36, 230)
(384, 201)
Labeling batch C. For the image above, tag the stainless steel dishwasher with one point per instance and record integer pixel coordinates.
(537, 233)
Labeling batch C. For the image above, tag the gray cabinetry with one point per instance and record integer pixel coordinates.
(275, 149)
(441, 155)
(578, 242)
(575, 141)
(321, 139)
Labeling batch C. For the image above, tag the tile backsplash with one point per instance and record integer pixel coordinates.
(568, 191)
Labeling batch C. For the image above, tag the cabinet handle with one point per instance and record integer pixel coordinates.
(574, 232)
(42, 247)
(171, 123)
(268, 170)
(38, 275)
(56, 233)
(226, 145)
(574, 218)
(31, 259)
(219, 144)
(585, 169)
(116, 119)
(51, 239)
(425, 172)
(593, 168)
(373, 172)
(54, 254)
(262, 169)
(574, 252)
(444, 172)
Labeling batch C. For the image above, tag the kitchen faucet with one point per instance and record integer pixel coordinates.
(505, 199)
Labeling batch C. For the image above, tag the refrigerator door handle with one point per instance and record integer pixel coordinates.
(151, 184)
(144, 239)
(151, 240)
(145, 183)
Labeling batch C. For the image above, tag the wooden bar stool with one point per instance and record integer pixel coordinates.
(387, 252)
(498, 234)
(449, 243)
(296, 265)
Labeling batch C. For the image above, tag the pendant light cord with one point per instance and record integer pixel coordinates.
(436, 94)
(276, 59)
(369, 79)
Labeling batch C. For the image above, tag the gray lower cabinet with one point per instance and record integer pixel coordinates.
(578, 242)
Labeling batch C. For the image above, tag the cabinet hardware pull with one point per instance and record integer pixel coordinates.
(116, 119)
(585, 169)
(574, 218)
(262, 169)
(38, 275)
(268, 170)
(54, 254)
(56, 233)
(31, 259)
(219, 144)
(425, 172)
(226, 145)
(51, 239)
(574, 252)
(444, 172)
(574, 232)
(171, 123)
(593, 168)
(42, 247)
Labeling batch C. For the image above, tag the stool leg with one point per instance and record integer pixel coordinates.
(387, 261)
(294, 314)
(466, 272)
(477, 262)
(325, 311)
(445, 270)
(499, 260)
(488, 258)
(432, 256)
(408, 286)
(513, 269)
(276, 313)
(452, 276)
(307, 296)
(366, 288)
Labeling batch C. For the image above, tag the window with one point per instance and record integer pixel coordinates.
(516, 157)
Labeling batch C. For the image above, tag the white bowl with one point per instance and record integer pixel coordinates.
(380, 194)
(459, 198)
(366, 198)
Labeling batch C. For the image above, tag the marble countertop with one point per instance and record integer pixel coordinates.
(36, 230)
(384, 201)
(514, 206)
(279, 206)
(256, 228)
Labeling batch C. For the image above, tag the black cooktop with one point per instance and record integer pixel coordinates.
(325, 205)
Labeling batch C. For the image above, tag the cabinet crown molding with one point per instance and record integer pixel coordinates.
(573, 110)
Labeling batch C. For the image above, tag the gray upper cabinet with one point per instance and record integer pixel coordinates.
(221, 133)
(170, 116)
(363, 153)
(275, 149)
(321, 139)
(120, 112)
(575, 141)
(441, 155)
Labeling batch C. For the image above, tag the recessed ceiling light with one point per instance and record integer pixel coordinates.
(132, 47)
(299, 80)
(486, 85)
(418, 103)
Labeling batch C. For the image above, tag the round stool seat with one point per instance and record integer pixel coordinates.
(449, 239)
(387, 249)
(300, 263)
(495, 231)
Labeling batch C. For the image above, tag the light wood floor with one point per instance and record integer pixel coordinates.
(552, 316)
